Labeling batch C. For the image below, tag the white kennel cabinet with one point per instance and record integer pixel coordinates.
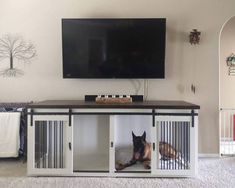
(78, 138)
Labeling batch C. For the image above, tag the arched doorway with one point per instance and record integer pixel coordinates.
(227, 87)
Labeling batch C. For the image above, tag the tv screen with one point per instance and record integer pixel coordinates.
(113, 48)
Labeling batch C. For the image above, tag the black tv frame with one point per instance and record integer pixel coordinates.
(115, 77)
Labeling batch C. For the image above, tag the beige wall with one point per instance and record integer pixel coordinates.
(40, 21)
(227, 83)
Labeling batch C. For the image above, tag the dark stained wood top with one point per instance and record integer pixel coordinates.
(143, 105)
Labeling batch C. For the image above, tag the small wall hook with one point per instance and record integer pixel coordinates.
(193, 88)
(194, 36)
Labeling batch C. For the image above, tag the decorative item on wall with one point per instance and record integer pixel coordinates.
(13, 50)
(193, 88)
(230, 60)
(194, 36)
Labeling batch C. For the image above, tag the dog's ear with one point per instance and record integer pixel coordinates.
(133, 135)
(144, 136)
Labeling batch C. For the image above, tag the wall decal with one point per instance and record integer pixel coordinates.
(14, 50)
(194, 37)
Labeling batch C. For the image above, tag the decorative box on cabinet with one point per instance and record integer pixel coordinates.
(77, 138)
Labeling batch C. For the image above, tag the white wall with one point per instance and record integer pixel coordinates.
(227, 46)
(40, 21)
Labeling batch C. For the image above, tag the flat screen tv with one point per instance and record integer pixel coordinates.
(114, 48)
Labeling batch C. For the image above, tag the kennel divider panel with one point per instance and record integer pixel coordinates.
(112, 122)
(91, 143)
(180, 134)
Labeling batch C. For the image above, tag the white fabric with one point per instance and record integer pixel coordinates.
(9, 134)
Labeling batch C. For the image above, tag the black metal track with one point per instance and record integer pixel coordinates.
(176, 114)
(129, 171)
(90, 171)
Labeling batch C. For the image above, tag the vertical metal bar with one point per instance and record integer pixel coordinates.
(161, 145)
(70, 117)
(164, 146)
(46, 142)
(187, 142)
(40, 156)
(46, 145)
(56, 156)
(189, 150)
(54, 143)
(173, 139)
(62, 146)
(184, 143)
(153, 115)
(50, 143)
(181, 125)
(192, 112)
(167, 162)
(43, 145)
(58, 143)
(39, 145)
(183, 152)
(178, 145)
(175, 133)
(36, 143)
(57, 149)
(31, 117)
(170, 141)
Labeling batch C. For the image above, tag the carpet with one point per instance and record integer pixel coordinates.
(213, 172)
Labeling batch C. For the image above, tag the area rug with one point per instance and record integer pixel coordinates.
(213, 172)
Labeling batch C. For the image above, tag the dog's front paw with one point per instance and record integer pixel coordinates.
(147, 167)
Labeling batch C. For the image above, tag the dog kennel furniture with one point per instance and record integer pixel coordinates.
(78, 138)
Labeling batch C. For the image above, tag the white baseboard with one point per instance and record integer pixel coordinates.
(208, 155)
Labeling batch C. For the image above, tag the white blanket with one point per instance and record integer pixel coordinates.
(9, 134)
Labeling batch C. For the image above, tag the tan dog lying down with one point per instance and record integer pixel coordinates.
(142, 152)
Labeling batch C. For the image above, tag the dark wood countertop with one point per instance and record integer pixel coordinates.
(134, 105)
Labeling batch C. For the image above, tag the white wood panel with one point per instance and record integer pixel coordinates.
(91, 138)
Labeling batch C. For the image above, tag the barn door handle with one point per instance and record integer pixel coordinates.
(70, 146)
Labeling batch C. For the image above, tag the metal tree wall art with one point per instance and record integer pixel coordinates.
(15, 50)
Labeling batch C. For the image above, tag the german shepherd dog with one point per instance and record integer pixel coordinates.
(142, 152)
